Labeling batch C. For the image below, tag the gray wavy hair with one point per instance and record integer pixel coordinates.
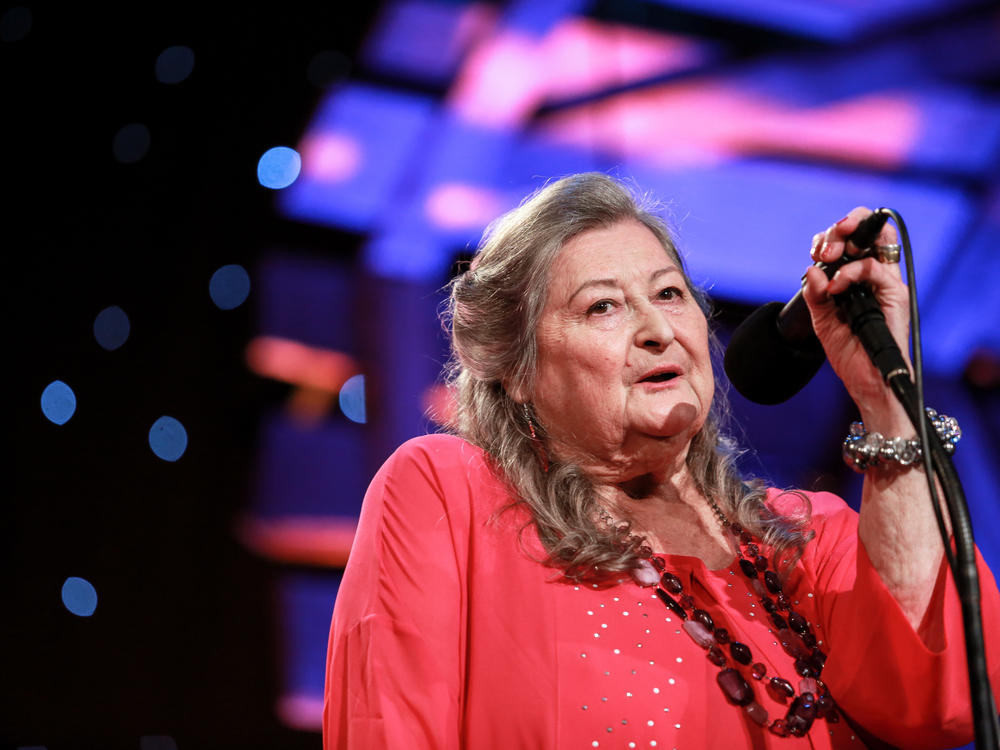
(493, 311)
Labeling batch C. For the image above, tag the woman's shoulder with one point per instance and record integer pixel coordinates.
(821, 507)
(440, 450)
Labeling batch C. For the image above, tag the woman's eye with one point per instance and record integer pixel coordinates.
(600, 307)
(671, 292)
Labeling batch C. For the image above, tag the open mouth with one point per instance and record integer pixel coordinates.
(660, 377)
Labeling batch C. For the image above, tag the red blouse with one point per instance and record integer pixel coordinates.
(447, 633)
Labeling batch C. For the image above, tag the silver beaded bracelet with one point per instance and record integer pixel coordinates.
(865, 450)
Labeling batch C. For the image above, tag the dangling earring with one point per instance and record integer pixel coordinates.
(537, 444)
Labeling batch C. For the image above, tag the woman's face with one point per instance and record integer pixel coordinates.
(623, 360)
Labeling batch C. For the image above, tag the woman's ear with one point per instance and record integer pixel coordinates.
(517, 391)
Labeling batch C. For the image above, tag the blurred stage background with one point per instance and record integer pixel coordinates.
(240, 221)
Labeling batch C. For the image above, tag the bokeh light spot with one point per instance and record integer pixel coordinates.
(279, 167)
(58, 402)
(174, 64)
(352, 399)
(111, 327)
(168, 438)
(79, 596)
(15, 23)
(229, 286)
(131, 143)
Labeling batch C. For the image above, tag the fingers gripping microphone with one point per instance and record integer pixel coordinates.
(774, 352)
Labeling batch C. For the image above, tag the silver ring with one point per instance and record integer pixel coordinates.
(887, 253)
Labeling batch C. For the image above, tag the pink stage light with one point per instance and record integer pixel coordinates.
(456, 206)
(300, 364)
(297, 540)
(510, 75)
(330, 156)
(702, 122)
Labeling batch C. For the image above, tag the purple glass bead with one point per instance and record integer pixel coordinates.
(716, 656)
(687, 602)
(699, 633)
(797, 623)
(748, 568)
(672, 583)
(672, 604)
(722, 636)
(740, 652)
(808, 685)
(761, 562)
(757, 712)
(734, 686)
(778, 727)
(772, 582)
(704, 618)
(758, 670)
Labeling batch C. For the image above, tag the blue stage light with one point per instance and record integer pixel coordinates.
(352, 399)
(168, 438)
(279, 167)
(58, 402)
(174, 64)
(79, 596)
(131, 143)
(111, 327)
(229, 286)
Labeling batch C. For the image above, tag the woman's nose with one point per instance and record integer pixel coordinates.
(653, 330)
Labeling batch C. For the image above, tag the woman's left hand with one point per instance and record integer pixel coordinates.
(848, 358)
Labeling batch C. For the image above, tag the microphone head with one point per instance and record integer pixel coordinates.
(765, 368)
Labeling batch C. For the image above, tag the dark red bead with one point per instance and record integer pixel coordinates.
(716, 656)
(772, 582)
(781, 687)
(687, 602)
(809, 639)
(791, 643)
(704, 618)
(768, 605)
(645, 551)
(658, 563)
(734, 686)
(779, 621)
(761, 562)
(722, 636)
(797, 623)
(748, 568)
(805, 667)
(801, 714)
(753, 550)
(746, 537)
(778, 727)
(758, 671)
(740, 652)
(736, 529)
(672, 583)
(782, 601)
(676, 608)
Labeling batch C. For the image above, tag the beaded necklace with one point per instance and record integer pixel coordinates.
(792, 631)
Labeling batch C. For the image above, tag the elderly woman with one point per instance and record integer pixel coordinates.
(581, 565)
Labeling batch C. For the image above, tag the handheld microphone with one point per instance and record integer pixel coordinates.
(774, 352)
